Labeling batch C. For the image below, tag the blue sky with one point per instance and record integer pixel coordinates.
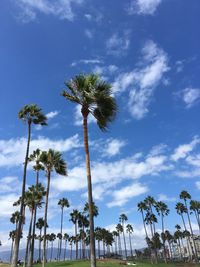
(149, 51)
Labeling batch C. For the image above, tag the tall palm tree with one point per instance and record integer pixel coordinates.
(129, 230)
(83, 223)
(51, 161)
(195, 207)
(35, 157)
(142, 207)
(30, 114)
(94, 96)
(119, 230)
(15, 219)
(162, 210)
(115, 235)
(185, 196)
(62, 203)
(75, 214)
(122, 219)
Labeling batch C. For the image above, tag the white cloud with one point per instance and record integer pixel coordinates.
(52, 114)
(86, 61)
(183, 150)
(190, 96)
(123, 195)
(118, 45)
(198, 185)
(88, 16)
(59, 8)
(12, 151)
(143, 7)
(142, 81)
(6, 207)
(114, 146)
(9, 184)
(163, 197)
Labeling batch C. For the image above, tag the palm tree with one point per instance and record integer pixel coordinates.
(94, 96)
(98, 237)
(12, 236)
(115, 235)
(119, 230)
(62, 203)
(59, 236)
(95, 209)
(15, 219)
(83, 223)
(122, 219)
(52, 238)
(51, 161)
(195, 207)
(40, 225)
(74, 219)
(162, 211)
(143, 207)
(66, 238)
(180, 209)
(30, 114)
(129, 230)
(35, 195)
(35, 157)
(169, 239)
(185, 195)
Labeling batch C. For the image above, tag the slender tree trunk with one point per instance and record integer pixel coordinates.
(31, 258)
(45, 219)
(11, 250)
(40, 237)
(76, 240)
(130, 245)
(163, 229)
(90, 199)
(51, 250)
(61, 228)
(71, 253)
(21, 219)
(28, 239)
(65, 249)
(124, 243)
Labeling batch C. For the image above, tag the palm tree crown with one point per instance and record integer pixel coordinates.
(94, 95)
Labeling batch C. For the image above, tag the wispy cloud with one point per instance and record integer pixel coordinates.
(163, 197)
(59, 8)
(143, 7)
(142, 81)
(123, 195)
(12, 151)
(118, 44)
(87, 62)
(52, 114)
(190, 96)
(88, 33)
(183, 150)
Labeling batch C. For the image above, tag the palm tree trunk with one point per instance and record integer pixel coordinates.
(28, 239)
(90, 199)
(130, 245)
(31, 258)
(45, 219)
(76, 240)
(19, 228)
(65, 249)
(51, 250)
(61, 227)
(163, 229)
(40, 245)
(124, 243)
(187, 238)
(11, 251)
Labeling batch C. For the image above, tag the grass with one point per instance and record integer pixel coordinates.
(112, 263)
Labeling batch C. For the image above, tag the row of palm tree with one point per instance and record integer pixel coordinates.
(95, 98)
(150, 209)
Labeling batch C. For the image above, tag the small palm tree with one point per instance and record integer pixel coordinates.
(62, 203)
(75, 214)
(30, 114)
(51, 161)
(40, 225)
(94, 97)
(119, 230)
(195, 207)
(66, 238)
